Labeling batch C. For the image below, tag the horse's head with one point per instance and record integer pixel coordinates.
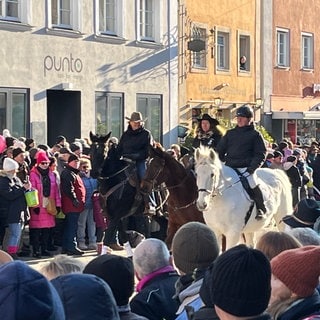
(207, 173)
(98, 150)
(155, 166)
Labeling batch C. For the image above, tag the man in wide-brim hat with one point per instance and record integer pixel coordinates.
(305, 215)
(136, 117)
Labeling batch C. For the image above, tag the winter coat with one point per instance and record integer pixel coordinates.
(242, 147)
(72, 188)
(43, 219)
(99, 219)
(302, 308)
(155, 300)
(293, 174)
(86, 296)
(315, 165)
(134, 144)
(12, 200)
(129, 315)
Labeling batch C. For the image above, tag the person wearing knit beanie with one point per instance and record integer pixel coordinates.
(295, 278)
(9, 164)
(240, 283)
(194, 248)
(118, 273)
(16, 152)
(41, 156)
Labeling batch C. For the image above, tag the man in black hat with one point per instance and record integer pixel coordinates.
(208, 132)
(243, 148)
(305, 215)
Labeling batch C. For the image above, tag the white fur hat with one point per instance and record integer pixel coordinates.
(9, 164)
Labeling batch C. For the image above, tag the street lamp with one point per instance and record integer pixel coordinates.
(218, 102)
(259, 103)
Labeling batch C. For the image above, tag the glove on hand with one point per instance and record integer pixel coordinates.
(36, 210)
(58, 209)
(76, 203)
(250, 170)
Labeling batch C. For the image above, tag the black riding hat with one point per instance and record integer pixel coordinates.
(244, 111)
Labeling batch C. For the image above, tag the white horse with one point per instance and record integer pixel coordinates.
(227, 207)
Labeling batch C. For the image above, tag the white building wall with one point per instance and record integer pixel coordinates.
(97, 64)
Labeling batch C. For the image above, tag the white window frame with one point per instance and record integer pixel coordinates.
(223, 50)
(157, 11)
(24, 12)
(75, 15)
(283, 48)
(118, 19)
(307, 50)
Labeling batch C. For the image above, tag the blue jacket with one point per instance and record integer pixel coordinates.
(90, 185)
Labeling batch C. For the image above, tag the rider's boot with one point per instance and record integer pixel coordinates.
(258, 199)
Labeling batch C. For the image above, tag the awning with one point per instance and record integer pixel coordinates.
(296, 115)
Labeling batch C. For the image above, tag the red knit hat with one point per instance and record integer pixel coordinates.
(42, 157)
(298, 269)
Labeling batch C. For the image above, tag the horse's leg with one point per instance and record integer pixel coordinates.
(249, 238)
(111, 232)
(172, 229)
(232, 238)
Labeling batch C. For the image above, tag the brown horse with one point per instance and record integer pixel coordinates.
(182, 187)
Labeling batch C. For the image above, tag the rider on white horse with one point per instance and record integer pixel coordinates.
(243, 148)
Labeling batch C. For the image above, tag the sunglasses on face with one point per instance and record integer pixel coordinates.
(45, 163)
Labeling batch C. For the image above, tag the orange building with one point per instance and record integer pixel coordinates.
(213, 37)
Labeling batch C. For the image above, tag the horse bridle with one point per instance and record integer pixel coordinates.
(154, 180)
(217, 190)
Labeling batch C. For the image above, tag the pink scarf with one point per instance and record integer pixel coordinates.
(152, 275)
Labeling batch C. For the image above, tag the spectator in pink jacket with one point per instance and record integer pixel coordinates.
(43, 180)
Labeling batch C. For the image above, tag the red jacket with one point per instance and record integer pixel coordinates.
(72, 188)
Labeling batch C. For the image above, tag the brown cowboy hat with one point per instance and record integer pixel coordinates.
(213, 121)
(305, 215)
(136, 117)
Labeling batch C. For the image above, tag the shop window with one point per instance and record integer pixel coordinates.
(109, 113)
(109, 16)
(150, 105)
(13, 111)
(64, 14)
(283, 48)
(307, 50)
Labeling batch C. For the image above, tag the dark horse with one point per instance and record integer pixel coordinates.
(182, 187)
(118, 187)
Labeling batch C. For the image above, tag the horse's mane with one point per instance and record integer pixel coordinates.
(205, 155)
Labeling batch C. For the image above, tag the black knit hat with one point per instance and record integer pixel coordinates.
(117, 271)
(241, 281)
(194, 246)
(16, 152)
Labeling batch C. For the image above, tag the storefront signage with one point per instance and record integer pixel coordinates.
(67, 64)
